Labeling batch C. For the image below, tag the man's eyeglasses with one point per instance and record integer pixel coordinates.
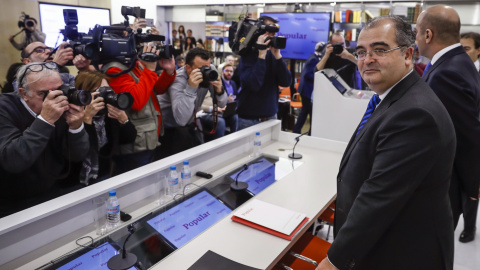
(375, 53)
(36, 67)
(38, 49)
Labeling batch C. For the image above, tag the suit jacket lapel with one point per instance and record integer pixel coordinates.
(451, 53)
(396, 93)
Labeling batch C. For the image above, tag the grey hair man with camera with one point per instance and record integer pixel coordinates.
(42, 133)
(32, 34)
(184, 98)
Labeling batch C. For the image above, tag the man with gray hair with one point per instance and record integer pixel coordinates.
(42, 133)
(392, 209)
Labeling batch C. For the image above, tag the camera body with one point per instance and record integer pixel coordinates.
(123, 101)
(337, 48)
(101, 47)
(74, 96)
(166, 52)
(277, 42)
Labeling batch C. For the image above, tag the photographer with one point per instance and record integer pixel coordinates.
(184, 98)
(42, 133)
(107, 126)
(143, 84)
(32, 34)
(262, 71)
(335, 56)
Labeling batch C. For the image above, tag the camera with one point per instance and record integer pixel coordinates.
(166, 52)
(337, 48)
(77, 97)
(277, 42)
(26, 21)
(123, 101)
(243, 35)
(209, 74)
(101, 47)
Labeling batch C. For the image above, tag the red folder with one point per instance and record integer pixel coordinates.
(270, 231)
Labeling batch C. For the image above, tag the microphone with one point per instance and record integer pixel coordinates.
(293, 155)
(236, 186)
(125, 259)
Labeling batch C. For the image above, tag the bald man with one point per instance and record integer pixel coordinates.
(453, 77)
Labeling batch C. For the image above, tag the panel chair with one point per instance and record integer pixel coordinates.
(326, 218)
(306, 254)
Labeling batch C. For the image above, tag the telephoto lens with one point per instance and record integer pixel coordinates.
(77, 97)
(29, 23)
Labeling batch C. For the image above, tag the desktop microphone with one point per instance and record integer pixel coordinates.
(125, 259)
(240, 186)
(293, 155)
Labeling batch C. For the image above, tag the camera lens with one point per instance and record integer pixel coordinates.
(29, 23)
(337, 48)
(79, 97)
(211, 75)
(124, 101)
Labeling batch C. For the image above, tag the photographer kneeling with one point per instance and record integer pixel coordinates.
(185, 97)
(42, 133)
(107, 125)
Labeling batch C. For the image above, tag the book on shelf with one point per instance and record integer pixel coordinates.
(418, 9)
(270, 218)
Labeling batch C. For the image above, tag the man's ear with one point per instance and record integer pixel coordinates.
(188, 68)
(22, 93)
(26, 61)
(428, 36)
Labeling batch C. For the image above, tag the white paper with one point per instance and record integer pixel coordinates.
(271, 216)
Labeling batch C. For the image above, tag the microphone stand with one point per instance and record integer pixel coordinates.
(125, 259)
(293, 155)
(240, 186)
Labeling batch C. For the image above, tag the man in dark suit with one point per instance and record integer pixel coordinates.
(453, 77)
(305, 87)
(392, 208)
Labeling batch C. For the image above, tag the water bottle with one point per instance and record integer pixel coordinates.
(113, 210)
(173, 185)
(186, 175)
(257, 144)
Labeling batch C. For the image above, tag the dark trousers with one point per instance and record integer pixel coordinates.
(125, 163)
(302, 117)
(470, 209)
(176, 140)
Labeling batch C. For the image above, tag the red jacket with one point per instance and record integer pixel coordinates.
(149, 85)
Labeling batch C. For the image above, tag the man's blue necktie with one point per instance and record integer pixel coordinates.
(371, 107)
(426, 68)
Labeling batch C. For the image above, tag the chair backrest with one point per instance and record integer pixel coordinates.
(285, 92)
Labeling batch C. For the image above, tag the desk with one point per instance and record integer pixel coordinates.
(27, 243)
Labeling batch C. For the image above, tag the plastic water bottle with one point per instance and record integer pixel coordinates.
(186, 175)
(173, 181)
(257, 144)
(113, 210)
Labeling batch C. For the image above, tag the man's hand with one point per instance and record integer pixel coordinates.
(219, 109)
(195, 78)
(217, 85)
(74, 116)
(326, 265)
(276, 53)
(116, 113)
(168, 65)
(231, 98)
(150, 65)
(82, 63)
(63, 55)
(261, 41)
(54, 105)
(154, 30)
(139, 23)
(347, 55)
(93, 108)
(10, 38)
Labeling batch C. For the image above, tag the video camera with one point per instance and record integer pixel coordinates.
(243, 35)
(26, 21)
(101, 47)
(123, 101)
(166, 52)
